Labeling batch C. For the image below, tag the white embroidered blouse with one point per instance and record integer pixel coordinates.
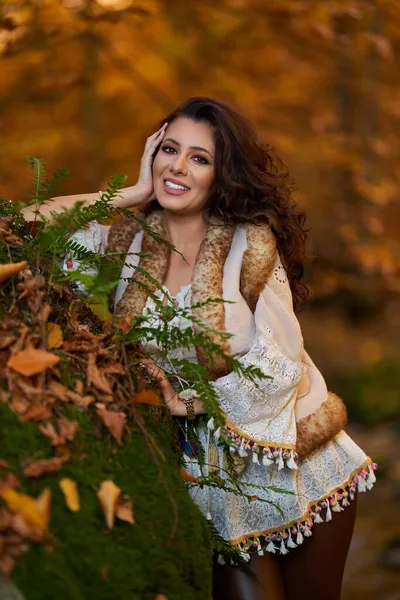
(271, 339)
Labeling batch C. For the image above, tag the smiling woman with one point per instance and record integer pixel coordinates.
(212, 189)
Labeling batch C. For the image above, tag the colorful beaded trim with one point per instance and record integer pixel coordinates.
(293, 534)
(266, 455)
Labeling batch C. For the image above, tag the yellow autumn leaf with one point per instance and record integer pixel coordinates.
(98, 308)
(54, 335)
(8, 270)
(108, 495)
(70, 491)
(29, 508)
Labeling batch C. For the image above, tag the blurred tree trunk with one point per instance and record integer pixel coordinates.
(91, 115)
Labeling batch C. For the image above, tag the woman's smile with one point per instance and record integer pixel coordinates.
(174, 187)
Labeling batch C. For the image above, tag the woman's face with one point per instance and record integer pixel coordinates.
(183, 170)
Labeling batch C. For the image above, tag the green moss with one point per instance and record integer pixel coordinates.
(166, 551)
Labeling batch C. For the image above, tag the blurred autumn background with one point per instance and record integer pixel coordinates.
(84, 82)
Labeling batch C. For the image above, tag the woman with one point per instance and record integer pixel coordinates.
(220, 199)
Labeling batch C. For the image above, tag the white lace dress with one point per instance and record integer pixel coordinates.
(289, 496)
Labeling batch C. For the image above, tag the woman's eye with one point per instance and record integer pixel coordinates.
(201, 160)
(168, 149)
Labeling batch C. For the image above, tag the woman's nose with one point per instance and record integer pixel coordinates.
(178, 165)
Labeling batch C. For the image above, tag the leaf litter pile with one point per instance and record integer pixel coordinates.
(55, 352)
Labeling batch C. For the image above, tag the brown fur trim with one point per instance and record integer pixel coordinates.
(155, 263)
(207, 283)
(317, 429)
(258, 261)
(122, 232)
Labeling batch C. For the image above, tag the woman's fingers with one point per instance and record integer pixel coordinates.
(151, 139)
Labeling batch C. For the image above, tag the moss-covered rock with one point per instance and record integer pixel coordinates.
(166, 550)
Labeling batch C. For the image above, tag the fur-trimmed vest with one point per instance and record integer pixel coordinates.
(317, 423)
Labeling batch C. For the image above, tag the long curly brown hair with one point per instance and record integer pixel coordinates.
(250, 186)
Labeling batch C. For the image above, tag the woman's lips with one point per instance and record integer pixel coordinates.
(173, 192)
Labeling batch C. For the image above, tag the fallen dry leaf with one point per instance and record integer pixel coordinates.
(54, 335)
(48, 465)
(124, 510)
(58, 390)
(67, 428)
(114, 369)
(5, 519)
(45, 311)
(19, 404)
(114, 421)
(27, 507)
(10, 269)
(43, 503)
(161, 597)
(125, 324)
(146, 397)
(32, 361)
(186, 477)
(108, 495)
(6, 341)
(36, 412)
(70, 491)
(80, 401)
(30, 286)
(3, 464)
(96, 377)
(7, 564)
(50, 432)
(9, 481)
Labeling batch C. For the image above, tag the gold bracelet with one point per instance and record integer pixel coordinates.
(189, 403)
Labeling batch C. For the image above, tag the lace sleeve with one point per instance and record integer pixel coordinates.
(94, 238)
(262, 417)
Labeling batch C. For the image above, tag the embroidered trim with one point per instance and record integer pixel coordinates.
(268, 452)
(292, 534)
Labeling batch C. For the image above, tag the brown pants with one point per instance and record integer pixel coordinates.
(314, 570)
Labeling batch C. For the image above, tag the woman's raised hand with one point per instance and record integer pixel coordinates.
(145, 181)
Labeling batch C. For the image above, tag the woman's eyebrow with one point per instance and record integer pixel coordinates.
(191, 147)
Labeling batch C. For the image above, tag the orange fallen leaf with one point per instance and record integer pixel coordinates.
(43, 503)
(32, 361)
(114, 421)
(186, 477)
(146, 397)
(54, 335)
(10, 269)
(3, 464)
(161, 597)
(108, 495)
(96, 377)
(49, 465)
(70, 491)
(124, 510)
(125, 324)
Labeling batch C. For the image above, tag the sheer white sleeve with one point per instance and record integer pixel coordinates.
(261, 417)
(93, 237)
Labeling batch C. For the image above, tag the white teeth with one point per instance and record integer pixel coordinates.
(175, 186)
